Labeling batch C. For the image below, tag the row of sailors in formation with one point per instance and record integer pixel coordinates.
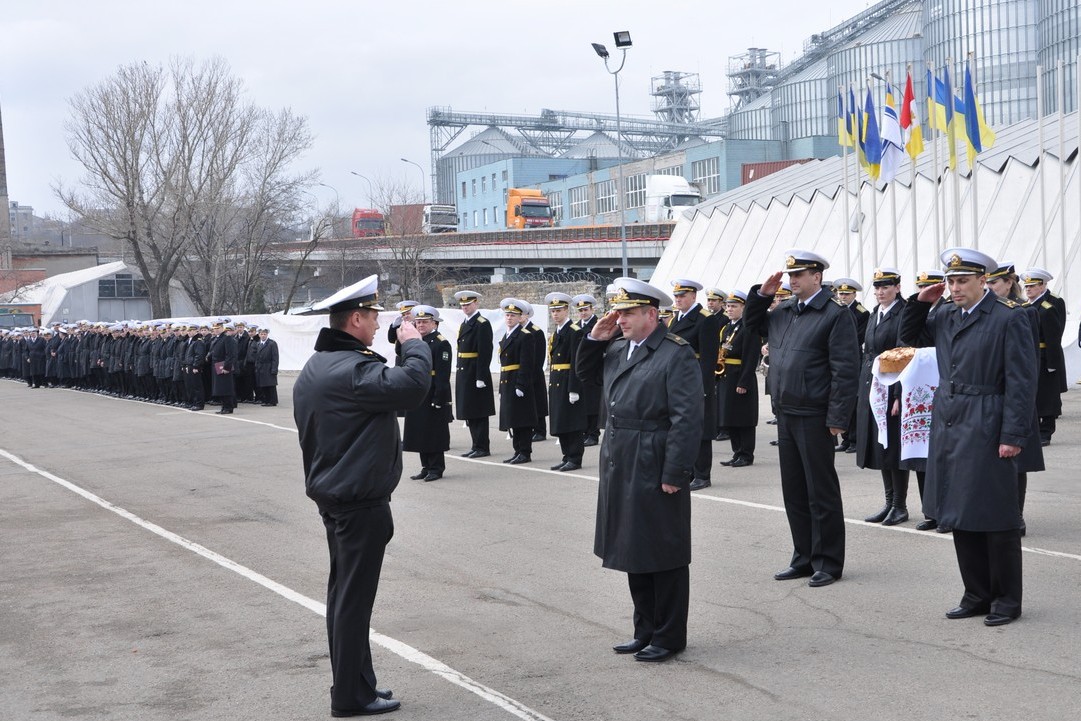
(177, 364)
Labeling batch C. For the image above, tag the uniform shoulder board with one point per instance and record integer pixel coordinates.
(838, 301)
(1009, 303)
(705, 313)
(440, 336)
(676, 339)
(1046, 304)
(366, 352)
(575, 326)
(481, 319)
(861, 309)
(525, 330)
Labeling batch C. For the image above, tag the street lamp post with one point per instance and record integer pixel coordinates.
(623, 41)
(371, 194)
(423, 192)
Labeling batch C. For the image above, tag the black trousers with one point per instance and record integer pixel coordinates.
(703, 464)
(357, 540)
(812, 493)
(592, 429)
(478, 432)
(268, 394)
(573, 446)
(1047, 427)
(661, 605)
(743, 442)
(194, 383)
(434, 461)
(990, 565)
(522, 440)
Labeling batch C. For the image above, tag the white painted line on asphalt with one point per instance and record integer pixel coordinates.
(396, 647)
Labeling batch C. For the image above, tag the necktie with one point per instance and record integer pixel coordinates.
(799, 307)
(630, 349)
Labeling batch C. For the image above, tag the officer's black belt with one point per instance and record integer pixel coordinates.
(969, 389)
(640, 424)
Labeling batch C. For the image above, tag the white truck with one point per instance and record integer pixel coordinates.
(666, 195)
(439, 219)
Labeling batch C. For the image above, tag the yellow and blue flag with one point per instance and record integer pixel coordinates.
(844, 123)
(871, 141)
(855, 126)
(980, 137)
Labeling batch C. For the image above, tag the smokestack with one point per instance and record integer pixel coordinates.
(5, 217)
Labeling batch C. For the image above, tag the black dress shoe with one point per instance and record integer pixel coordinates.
(963, 612)
(851, 449)
(520, 458)
(997, 619)
(842, 447)
(944, 529)
(771, 422)
(538, 438)
(570, 466)
(821, 578)
(384, 693)
(790, 573)
(558, 466)
(589, 442)
(378, 706)
(927, 525)
(468, 454)
(723, 436)
(633, 646)
(480, 454)
(729, 462)
(195, 408)
(880, 516)
(774, 442)
(699, 483)
(225, 411)
(741, 463)
(432, 476)
(511, 459)
(418, 476)
(896, 515)
(654, 653)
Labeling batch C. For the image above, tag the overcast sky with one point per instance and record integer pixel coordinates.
(364, 72)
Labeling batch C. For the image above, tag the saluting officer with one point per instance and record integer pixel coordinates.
(701, 329)
(568, 419)
(737, 382)
(982, 417)
(590, 392)
(1052, 379)
(474, 400)
(845, 289)
(517, 405)
(427, 427)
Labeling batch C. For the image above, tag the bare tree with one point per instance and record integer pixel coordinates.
(189, 175)
(409, 265)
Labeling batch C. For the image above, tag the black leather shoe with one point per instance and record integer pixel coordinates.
(729, 462)
(842, 447)
(895, 516)
(225, 411)
(195, 408)
(723, 436)
(589, 442)
(653, 654)
(963, 612)
(468, 454)
(418, 476)
(998, 619)
(384, 693)
(520, 458)
(927, 525)
(432, 476)
(944, 529)
(538, 438)
(741, 463)
(880, 516)
(511, 459)
(633, 646)
(851, 449)
(699, 483)
(378, 706)
(480, 454)
(569, 466)
(558, 466)
(771, 422)
(790, 573)
(774, 442)
(821, 578)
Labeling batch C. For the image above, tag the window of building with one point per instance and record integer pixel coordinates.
(122, 285)
(493, 182)
(474, 187)
(555, 201)
(484, 216)
(671, 170)
(465, 219)
(504, 176)
(495, 215)
(606, 197)
(463, 188)
(484, 183)
(475, 217)
(707, 175)
(578, 198)
(636, 191)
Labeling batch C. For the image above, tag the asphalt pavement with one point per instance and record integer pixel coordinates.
(157, 563)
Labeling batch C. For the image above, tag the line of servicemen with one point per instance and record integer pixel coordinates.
(170, 363)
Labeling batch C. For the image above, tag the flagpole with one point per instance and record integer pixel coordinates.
(973, 176)
(932, 124)
(859, 192)
(874, 201)
(893, 182)
(951, 140)
(912, 186)
(1042, 258)
(1061, 85)
(846, 234)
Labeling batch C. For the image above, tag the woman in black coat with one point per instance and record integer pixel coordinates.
(882, 334)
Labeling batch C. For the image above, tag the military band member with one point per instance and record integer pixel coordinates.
(701, 329)
(427, 427)
(1052, 377)
(737, 382)
(590, 392)
(568, 418)
(982, 417)
(474, 400)
(651, 388)
(517, 361)
(813, 376)
(846, 289)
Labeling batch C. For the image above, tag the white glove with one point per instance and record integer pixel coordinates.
(574, 397)
(519, 392)
(481, 384)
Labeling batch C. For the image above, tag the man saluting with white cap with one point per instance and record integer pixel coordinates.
(652, 391)
(345, 402)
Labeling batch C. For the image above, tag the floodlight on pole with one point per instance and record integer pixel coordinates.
(371, 194)
(623, 41)
(423, 192)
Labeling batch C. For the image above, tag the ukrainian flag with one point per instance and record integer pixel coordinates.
(855, 126)
(980, 137)
(871, 140)
(844, 123)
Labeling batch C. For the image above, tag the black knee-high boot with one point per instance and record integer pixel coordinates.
(887, 486)
(899, 512)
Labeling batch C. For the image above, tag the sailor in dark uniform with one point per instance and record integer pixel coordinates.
(846, 289)
(590, 392)
(701, 329)
(737, 382)
(568, 418)
(1052, 378)
(474, 401)
(540, 386)
(405, 311)
(427, 427)
(517, 406)
(715, 303)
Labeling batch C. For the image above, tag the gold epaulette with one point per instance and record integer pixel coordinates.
(838, 301)
(575, 326)
(481, 319)
(1009, 303)
(1047, 304)
(705, 313)
(861, 309)
(440, 336)
(525, 330)
(676, 338)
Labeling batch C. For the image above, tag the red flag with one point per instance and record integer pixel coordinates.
(906, 104)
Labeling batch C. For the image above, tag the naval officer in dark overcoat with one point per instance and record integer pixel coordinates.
(427, 427)
(737, 382)
(517, 362)
(567, 415)
(474, 400)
